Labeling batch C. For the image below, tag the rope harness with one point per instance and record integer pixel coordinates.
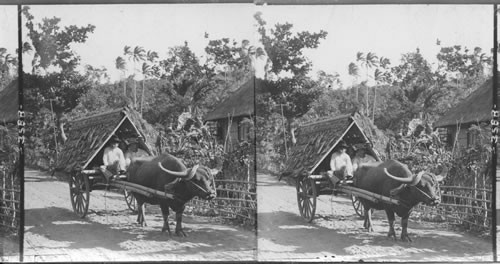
(188, 179)
(420, 192)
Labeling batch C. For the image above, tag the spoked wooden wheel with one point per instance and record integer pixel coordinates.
(79, 189)
(358, 206)
(130, 200)
(306, 198)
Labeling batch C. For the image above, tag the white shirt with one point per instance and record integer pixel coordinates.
(341, 161)
(111, 156)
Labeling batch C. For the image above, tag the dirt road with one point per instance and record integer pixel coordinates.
(109, 232)
(337, 235)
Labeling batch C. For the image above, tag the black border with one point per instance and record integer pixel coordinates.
(494, 139)
(254, 2)
(21, 120)
(20, 127)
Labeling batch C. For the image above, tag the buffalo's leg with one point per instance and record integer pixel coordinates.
(178, 226)
(139, 211)
(141, 217)
(404, 225)
(165, 213)
(368, 220)
(391, 218)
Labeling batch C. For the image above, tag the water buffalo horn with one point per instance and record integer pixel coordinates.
(180, 174)
(411, 180)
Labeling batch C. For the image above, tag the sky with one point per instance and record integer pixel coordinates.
(8, 28)
(154, 27)
(387, 30)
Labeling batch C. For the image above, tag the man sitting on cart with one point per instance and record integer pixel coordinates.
(113, 159)
(340, 165)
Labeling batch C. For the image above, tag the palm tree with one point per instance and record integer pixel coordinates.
(370, 62)
(384, 62)
(96, 75)
(147, 70)
(152, 56)
(379, 77)
(354, 72)
(135, 55)
(121, 65)
(361, 60)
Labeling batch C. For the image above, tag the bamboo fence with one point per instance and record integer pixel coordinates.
(10, 200)
(236, 200)
(465, 206)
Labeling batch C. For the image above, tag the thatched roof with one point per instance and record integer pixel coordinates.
(240, 103)
(475, 108)
(9, 103)
(317, 139)
(88, 136)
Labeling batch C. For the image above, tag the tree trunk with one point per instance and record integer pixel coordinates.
(374, 103)
(357, 94)
(367, 107)
(135, 95)
(142, 96)
(125, 87)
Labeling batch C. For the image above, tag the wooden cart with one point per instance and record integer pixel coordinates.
(83, 182)
(309, 160)
(311, 186)
(82, 155)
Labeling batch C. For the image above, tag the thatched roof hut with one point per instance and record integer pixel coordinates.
(9, 103)
(240, 103)
(88, 136)
(475, 108)
(316, 141)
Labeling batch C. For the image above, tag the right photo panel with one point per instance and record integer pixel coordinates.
(373, 132)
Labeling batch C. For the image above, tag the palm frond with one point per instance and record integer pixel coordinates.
(360, 56)
(152, 55)
(371, 59)
(127, 50)
(353, 69)
(120, 63)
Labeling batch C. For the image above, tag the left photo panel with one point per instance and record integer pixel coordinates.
(136, 146)
(9, 151)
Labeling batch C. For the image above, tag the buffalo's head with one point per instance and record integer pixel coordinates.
(200, 180)
(424, 186)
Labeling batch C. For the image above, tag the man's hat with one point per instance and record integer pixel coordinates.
(114, 139)
(342, 144)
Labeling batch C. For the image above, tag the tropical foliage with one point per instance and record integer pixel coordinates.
(159, 88)
(390, 94)
(163, 87)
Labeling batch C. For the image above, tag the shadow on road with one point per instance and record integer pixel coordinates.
(62, 225)
(338, 237)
